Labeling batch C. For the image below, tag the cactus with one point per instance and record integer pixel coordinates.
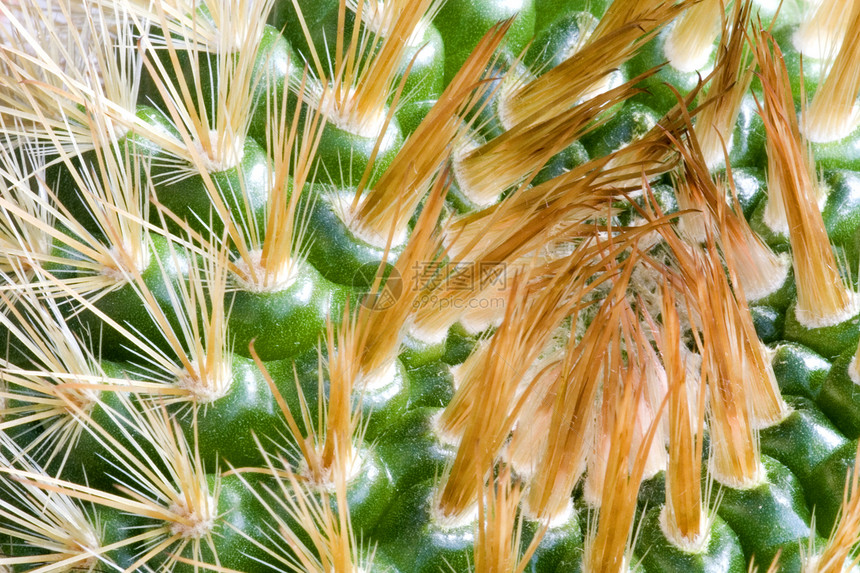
(429, 285)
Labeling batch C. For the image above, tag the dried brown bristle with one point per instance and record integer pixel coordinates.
(486, 171)
(483, 429)
(758, 270)
(498, 545)
(563, 458)
(684, 515)
(390, 202)
(735, 459)
(730, 81)
(608, 546)
(822, 297)
(381, 325)
(821, 33)
(535, 422)
(690, 40)
(834, 113)
(576, 78)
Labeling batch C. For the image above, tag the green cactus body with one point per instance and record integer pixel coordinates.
(287, 289)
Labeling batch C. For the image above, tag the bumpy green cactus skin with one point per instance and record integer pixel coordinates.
(402, 459)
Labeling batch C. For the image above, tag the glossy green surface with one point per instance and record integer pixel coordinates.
(560, 548)
(799, 371)
(342, 156)
(225, 428)
(125, 308)
(334, 250)
(829, 478)
(721, 552)
(632, 121)
(276, 62)
(414, 543)
(842, 214)
(829, 341)
(462, 23)
(769, 516)
(284, 323)
(238, 511)
(840, 397)
(243, 190)
(802, 440)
